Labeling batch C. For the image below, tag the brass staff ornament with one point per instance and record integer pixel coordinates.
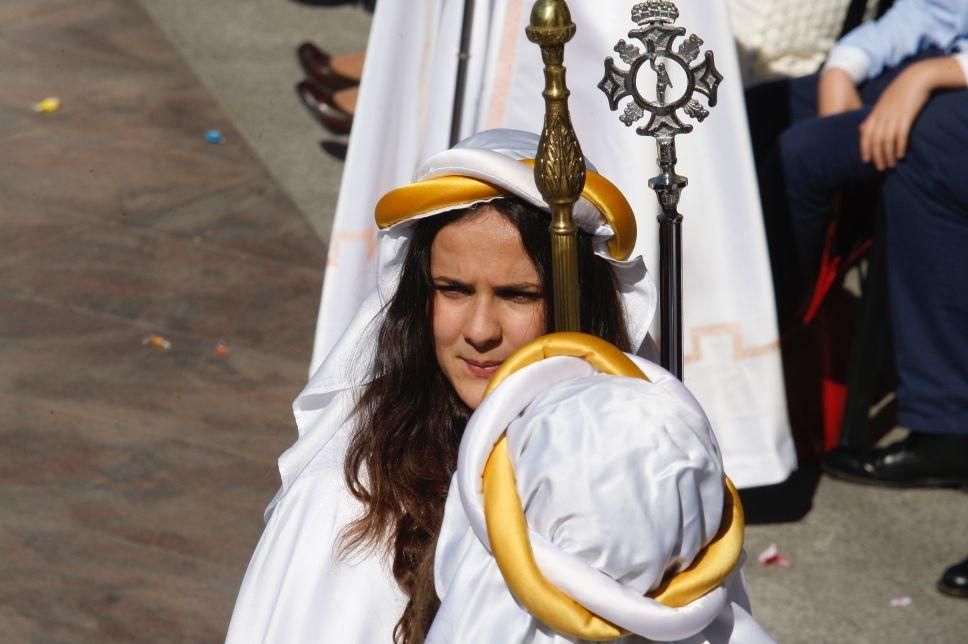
(662, 81)
(559, 168)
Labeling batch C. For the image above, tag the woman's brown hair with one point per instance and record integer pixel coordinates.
(410, 420)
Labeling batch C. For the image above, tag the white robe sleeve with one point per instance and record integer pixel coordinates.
(297, 587)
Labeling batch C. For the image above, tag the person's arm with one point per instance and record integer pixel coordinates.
(836, 93)
(909, 27)
(884, 133)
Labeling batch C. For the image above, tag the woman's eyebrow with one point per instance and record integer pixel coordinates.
(443, 280)
(448, 280)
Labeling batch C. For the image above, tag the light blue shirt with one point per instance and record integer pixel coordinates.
(909, 27)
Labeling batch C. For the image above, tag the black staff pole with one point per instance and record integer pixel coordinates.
(667, 186)
(461, 84)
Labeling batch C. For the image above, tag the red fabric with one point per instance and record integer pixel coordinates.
(816, 356)
(834, 397)
(832, 271)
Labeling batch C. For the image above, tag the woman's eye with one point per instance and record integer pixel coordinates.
(522, 297)
(450, 290)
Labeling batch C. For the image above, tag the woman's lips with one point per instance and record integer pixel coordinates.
(481, 368)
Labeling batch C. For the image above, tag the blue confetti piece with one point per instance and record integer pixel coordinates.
(214, 136)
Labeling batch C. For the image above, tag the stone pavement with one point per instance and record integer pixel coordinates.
(134, 478)
(243, 51)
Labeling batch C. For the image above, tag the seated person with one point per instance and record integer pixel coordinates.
(890, 106)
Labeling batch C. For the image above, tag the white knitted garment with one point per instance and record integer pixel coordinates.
(780, 38)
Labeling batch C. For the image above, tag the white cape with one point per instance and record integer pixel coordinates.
(732, 361)
(617, 476)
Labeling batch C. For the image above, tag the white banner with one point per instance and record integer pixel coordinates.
(732, 358)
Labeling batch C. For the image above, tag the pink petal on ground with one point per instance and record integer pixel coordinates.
(772, 557)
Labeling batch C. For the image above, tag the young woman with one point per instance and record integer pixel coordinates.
(348, 550)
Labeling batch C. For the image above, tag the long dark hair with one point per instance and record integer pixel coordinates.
(410, 420)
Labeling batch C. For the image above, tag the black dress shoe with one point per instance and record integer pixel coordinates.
(316, 63)
(920, 460)
(320, 104)
(954, 581)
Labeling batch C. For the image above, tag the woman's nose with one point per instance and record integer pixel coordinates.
(483, 328)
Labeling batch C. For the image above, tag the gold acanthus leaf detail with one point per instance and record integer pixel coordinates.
(560, 163)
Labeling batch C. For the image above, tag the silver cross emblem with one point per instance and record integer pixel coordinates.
(660, 80)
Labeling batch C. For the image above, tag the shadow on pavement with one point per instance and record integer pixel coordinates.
(784, 502)
(336, 149)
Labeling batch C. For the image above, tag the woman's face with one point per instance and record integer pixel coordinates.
(488, 299)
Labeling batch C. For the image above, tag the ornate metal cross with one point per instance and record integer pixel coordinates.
(659, 60)
(661, 81)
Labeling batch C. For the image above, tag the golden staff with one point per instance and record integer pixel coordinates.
(559, 167)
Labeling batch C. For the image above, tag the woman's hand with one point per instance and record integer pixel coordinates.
(885, 132)
(836, 93)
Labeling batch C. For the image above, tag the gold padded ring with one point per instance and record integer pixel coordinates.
(507, 527)
(454, 191)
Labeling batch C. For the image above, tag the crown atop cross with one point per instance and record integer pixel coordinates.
(655, 11)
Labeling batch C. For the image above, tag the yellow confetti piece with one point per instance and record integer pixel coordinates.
(48, 105)
(156, 341)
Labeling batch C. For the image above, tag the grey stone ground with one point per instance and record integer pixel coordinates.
(853, 551)
(243, 50)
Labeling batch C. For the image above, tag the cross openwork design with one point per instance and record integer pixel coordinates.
(660, 80)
